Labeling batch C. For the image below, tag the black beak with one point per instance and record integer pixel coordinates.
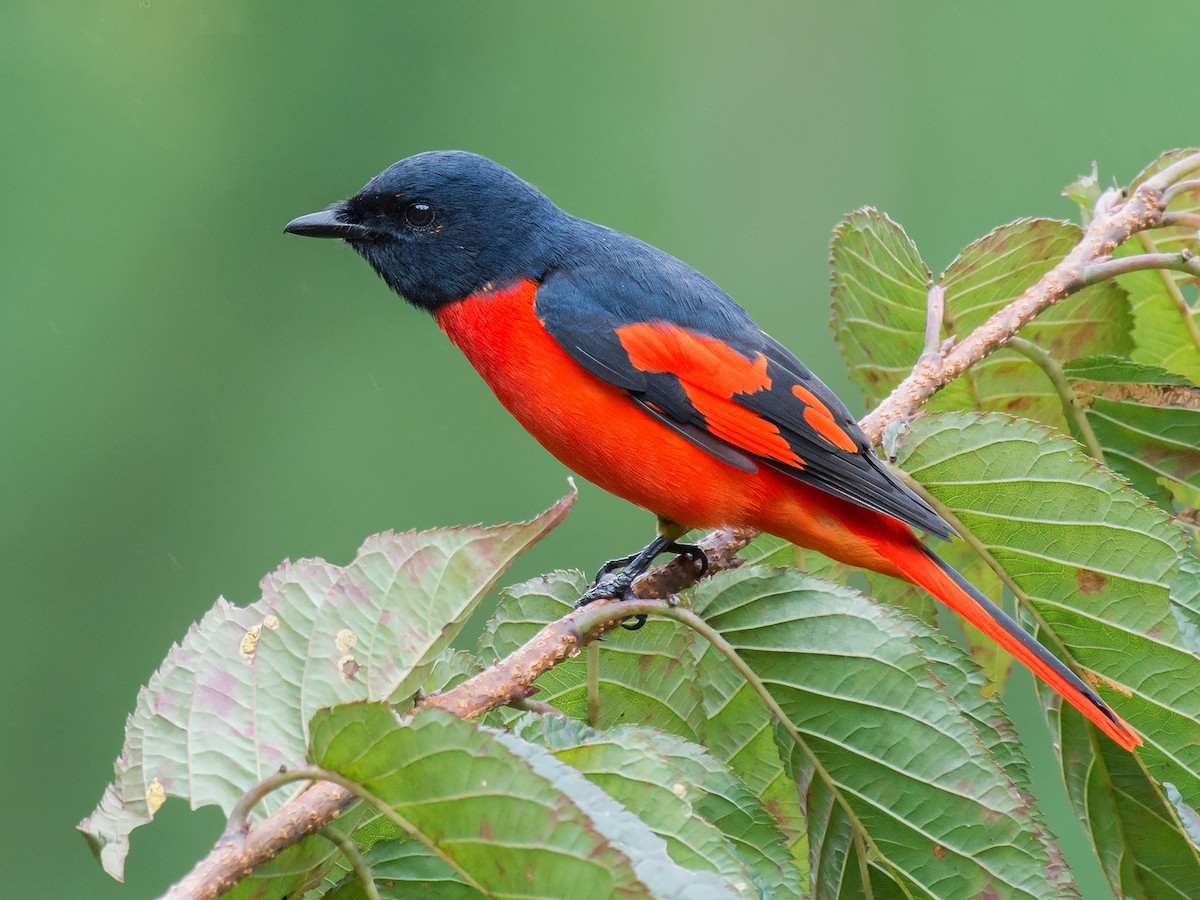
(326, 224)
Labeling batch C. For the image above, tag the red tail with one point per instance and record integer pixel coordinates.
(926, 570)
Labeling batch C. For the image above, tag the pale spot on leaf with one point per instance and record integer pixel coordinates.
(156, 796)
(250, 641)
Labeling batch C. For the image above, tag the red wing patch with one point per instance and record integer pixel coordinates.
(693, 358)
(817, 415)
(711, 373)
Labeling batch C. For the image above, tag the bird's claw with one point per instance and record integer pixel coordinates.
(612, 566)
(608, 586)
(694, 552)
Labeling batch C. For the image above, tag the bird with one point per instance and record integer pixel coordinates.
(644, 377)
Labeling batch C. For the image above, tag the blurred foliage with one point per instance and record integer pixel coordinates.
(187, 397)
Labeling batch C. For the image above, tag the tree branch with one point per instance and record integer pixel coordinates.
(1116, 221)
(510, 681)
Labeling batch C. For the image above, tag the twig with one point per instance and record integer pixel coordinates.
(1115, 222)
(1181, 220)
(511, 680)
(1180, 187)
(1111, 268)
(935, 315)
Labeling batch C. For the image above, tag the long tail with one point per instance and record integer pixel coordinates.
(925, 569)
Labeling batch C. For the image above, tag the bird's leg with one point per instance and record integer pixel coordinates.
(613, 565)
(633, 567)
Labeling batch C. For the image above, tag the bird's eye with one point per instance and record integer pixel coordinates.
(419, 214)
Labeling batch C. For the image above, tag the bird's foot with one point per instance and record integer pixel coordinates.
(619, 586)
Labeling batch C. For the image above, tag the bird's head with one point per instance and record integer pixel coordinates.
(443, 225)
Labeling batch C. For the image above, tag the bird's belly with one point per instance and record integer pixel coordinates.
(596, 430)
(591, 426)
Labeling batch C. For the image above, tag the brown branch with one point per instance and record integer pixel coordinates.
(510, 681)
(1116, 221)
(234, 857)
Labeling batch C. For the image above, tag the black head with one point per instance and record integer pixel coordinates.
(442, 225)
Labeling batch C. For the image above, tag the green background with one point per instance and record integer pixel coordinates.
(187, 395)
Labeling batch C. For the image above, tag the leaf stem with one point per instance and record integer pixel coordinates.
(350, 850)
(1070, 403)
(935, 315)
(239, 816)
(593, 684)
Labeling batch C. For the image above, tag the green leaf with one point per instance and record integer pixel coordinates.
(1093, 558)
(1188, 816)
(896, 756)
(1185, 601)
(769, 550)
(879, 289)
(644, 677)
(1166, 322)
(1117, 369)
(404, 868)
(737, 730)
(506, 815)
(231, 703)
(1137, 838)
(451, 668)
(994, 271)
(1169, 158)
(1147, 421)
(1085, 190)
(708, 818)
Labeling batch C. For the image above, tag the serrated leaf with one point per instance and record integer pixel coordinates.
(1168, 158)
(1164, 301)
(879, 310)
(994, 271)
(643, 674)
(769, 550)
(1094, 558)
(903, 785)
(1137, 840)
(879, 289)
(1118, 369)
(401, 869)
(231, 703)
(1187, 816)
(503, 813)
(708, 818)
(737, 730)
(1085, 191)
(1147, 420)
(1185, 601)
(451, 668)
